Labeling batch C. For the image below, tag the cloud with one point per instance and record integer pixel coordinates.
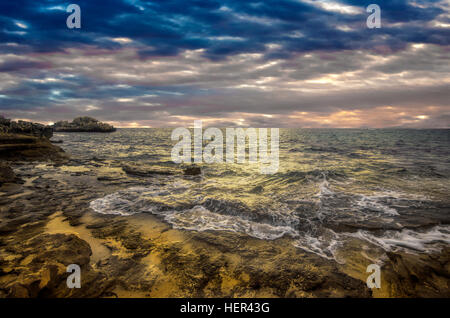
(163, 62)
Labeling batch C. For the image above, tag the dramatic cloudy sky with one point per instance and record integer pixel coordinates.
(272, 63)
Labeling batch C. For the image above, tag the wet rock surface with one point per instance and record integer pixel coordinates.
(148, 171)
(39, 269)
(425, 275)
(83, 124)
(192, 171)
(7, 174)
(26, 141)
(21, 127)
(15, 147)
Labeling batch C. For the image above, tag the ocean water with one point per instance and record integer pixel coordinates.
(388, 188)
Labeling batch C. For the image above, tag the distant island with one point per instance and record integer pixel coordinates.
(83, 124)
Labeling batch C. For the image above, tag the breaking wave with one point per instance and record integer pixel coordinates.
(310, 230)
(215, 215)
(408, 240)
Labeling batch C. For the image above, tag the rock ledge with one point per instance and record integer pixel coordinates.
(21, 127)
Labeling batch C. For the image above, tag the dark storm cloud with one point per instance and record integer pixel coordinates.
(173, 25)
(20, 65)
(403, 10)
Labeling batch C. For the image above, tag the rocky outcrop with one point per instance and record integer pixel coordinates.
(27, 141)
(7, 174)
(83, 124)
(8, 126)
(14, 147)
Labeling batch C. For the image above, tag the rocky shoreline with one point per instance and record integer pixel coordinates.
(46, 223)
(21, 127)
(26, 141)
(15, 147)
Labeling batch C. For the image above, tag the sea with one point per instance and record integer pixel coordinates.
(385, 187)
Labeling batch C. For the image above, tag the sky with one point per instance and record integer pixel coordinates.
(272, 63)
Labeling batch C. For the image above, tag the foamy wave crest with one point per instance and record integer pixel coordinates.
(201, 219)
(374, 203)
(360, 207)
(179, 205)
(328, 243)
(408, 240)
(125, 202)
(224, 217)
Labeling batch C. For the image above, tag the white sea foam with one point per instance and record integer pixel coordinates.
(409, 240)
(201, 219)
(347, 206)
(314, 237)
(374, 203)
(325, 245)
(133, 200)
(324, 188)
(124, 202)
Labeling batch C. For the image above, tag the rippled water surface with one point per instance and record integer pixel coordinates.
(389, 188)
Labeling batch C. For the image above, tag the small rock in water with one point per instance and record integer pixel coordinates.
(257, 189)
(147, 171)
(192, 171)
